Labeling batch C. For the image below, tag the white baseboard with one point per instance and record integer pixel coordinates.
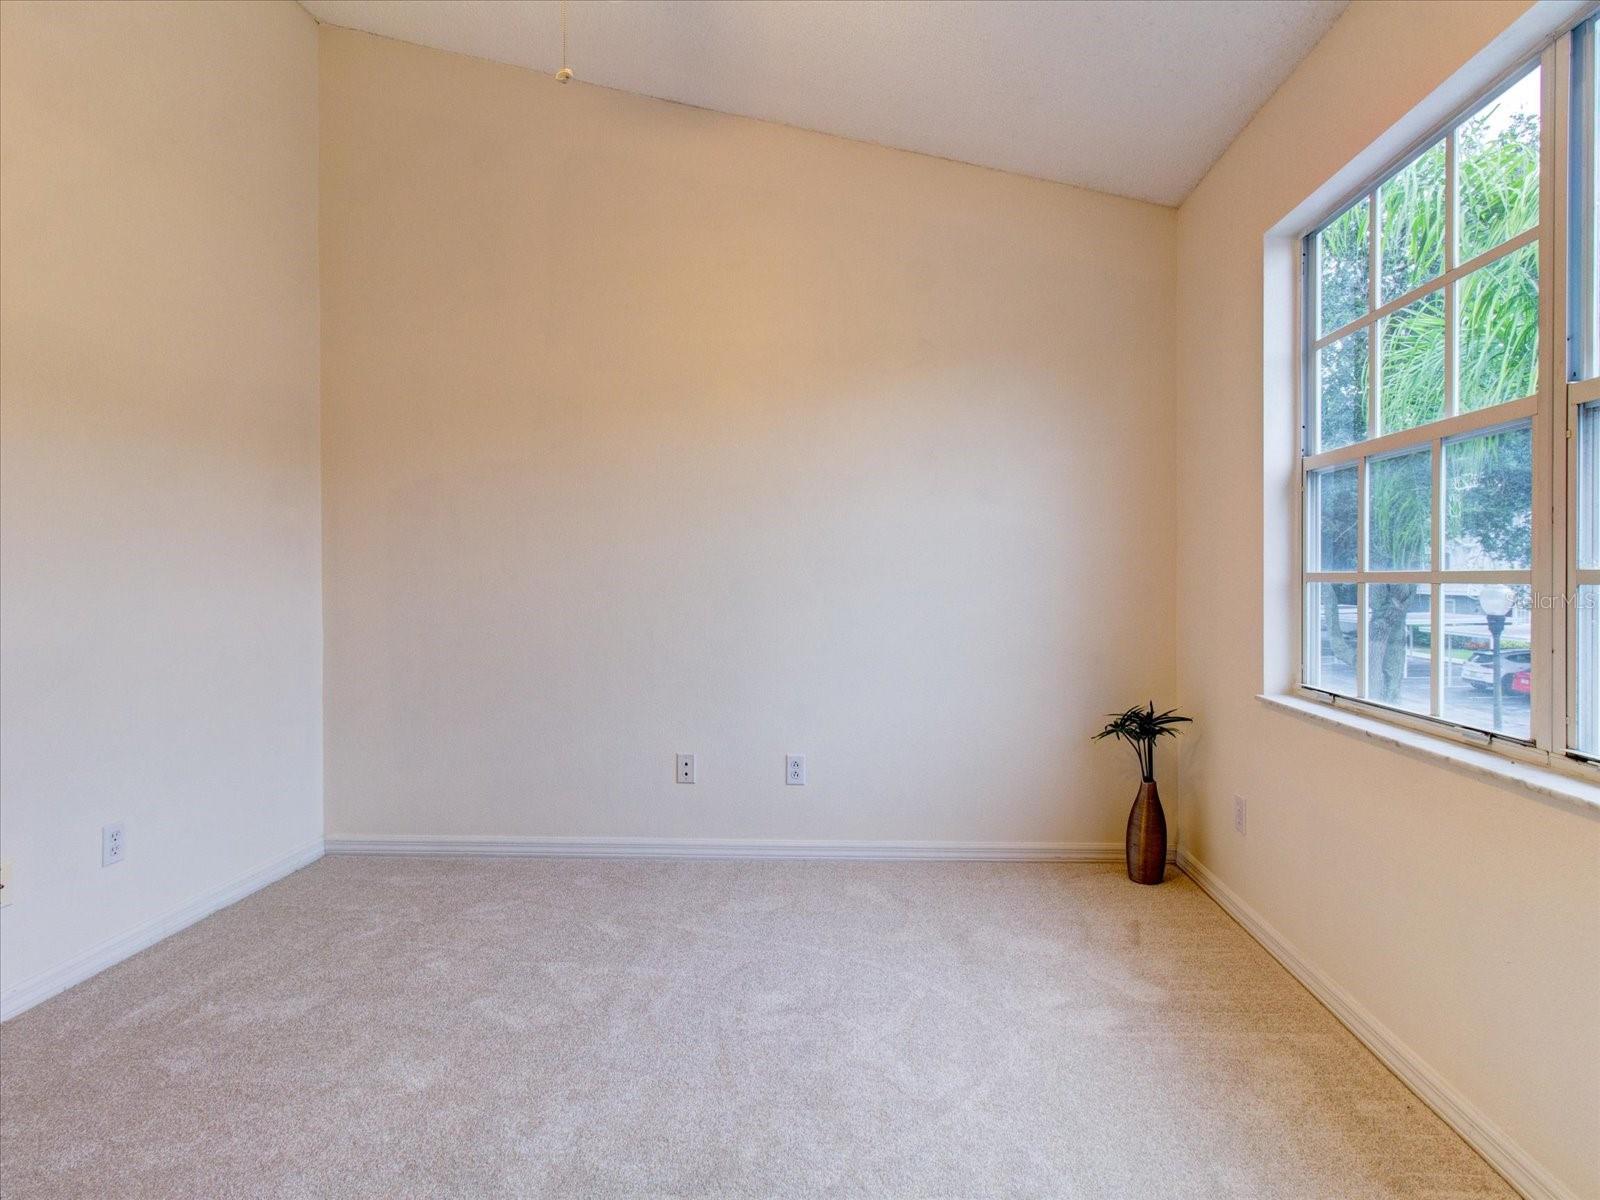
(109, 953)
(680, 848)
(1487, 1138)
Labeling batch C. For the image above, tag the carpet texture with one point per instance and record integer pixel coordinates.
(517, 1028)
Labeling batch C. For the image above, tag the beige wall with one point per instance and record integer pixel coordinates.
(159, 533)
(1462, 915)
(649, 429)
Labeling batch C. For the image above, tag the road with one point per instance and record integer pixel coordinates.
(1462, 703)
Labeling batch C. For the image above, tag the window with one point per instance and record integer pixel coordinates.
(1451, 523)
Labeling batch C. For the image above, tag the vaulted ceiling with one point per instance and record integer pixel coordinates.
(1134, 97)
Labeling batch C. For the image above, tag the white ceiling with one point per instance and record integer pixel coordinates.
(1135, 97)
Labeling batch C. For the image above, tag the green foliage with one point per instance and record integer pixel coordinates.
(1489, 501)
(1342, 369)
(1344, 263)
(1411, 209)
(1489, 496)
(1141, 728)
(1411, 365)
(1499, 186)
(1498, 353)
(1401, 518)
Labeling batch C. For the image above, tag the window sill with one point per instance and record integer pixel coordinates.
(1543, 782)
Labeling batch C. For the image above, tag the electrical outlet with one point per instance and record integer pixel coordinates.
(794, 770)
(5, 882)
(685, 768)
(113, 844)
(1238, 814)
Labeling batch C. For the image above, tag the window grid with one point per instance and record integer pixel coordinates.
(1548, 728)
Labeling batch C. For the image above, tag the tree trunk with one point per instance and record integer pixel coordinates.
(1343, 650)
(1387, 637)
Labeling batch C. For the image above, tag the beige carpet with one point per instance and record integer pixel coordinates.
(469, 1028)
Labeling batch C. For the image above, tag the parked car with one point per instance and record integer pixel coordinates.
(1479, 669)
(1522, 683)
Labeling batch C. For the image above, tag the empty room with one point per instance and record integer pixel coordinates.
(758, 599)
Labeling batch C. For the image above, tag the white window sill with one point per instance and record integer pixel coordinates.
(1567, 790)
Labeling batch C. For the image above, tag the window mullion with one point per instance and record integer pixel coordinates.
(1423, 290)
(1361, 640)
(1479, 420)
(1452, 204)
(1451, 207)
(1363, 524)
(1549, 698)
(1374, 258)
(1436, 593)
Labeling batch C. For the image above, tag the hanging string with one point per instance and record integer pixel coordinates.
(566, 72)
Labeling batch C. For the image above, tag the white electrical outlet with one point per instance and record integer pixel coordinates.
(794, 770)
(5, 882)
(685, 768)
(1238, 814)
(113, 844)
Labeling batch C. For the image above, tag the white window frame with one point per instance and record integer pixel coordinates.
(1568, 366)
(1578, 382)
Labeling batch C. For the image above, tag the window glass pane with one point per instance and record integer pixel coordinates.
(1400, 526)
(1472, 635)
(1498, 353)
(1342, 369)
(1331, 507)
(1343, 265)
(1399, 636)
(1587, 613)
(1589, 486)
(1488, 514)
(1411, 237)
(1411, 364)
(1497, 165)
(1331, 637)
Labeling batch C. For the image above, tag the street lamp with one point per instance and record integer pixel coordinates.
(1496, 601)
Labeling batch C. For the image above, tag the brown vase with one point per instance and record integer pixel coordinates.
(1147, 836)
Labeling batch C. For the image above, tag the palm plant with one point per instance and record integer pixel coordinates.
(1141, 728)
